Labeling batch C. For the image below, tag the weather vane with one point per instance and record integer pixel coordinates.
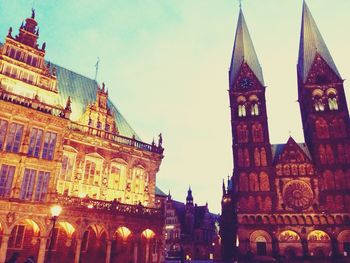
(96, 67)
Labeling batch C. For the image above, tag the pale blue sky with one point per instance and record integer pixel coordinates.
(165, 63)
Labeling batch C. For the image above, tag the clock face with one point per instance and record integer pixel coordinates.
(245, 83)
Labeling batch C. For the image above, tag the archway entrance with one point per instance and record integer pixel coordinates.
(122, 246)
(94, 244)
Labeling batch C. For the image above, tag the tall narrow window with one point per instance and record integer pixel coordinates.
(264, 181)
(322, 129)
(257, 157)
(28, 184)
(6, 178)
(246, 158)
(253, 182)
(67, 169)
(17, 237)
(35, 139)
(329, 154)
(242, 110)
(254, 109)
(322, 154)
(49, 145)
(41, 186)
(318, 104)
(3, 129)
(242, 133)
(333, 103)
(263, 157)
(14, 137)
(240, 158)
(257, 132)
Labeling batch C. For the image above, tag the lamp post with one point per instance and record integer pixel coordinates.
(55, 212)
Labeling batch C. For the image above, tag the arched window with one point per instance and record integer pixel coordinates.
(255, 108)
(347, 153)
(322, 154)
(329, 153)
(341, 153)
(251, 203)
(246, 158)
(241, 110)
(338, 128)
(317, 100)
(286, 169)
(253, 182)
(340, 182)
(268, 204)
(328, 180)
(322, 129)
(242, 133)
(263, 157)
(257, 132)
(264, 181)
(332, 99)
(330, 201)
(243, 182)
(240, 158)
(256, 157)
(339, 202)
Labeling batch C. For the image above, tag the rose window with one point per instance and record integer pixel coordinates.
(298, 195)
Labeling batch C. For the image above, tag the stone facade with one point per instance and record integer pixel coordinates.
(288, 199)
(63, 142)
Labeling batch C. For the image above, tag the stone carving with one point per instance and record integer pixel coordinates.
(298, 195)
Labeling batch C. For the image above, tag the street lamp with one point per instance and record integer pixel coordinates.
(55, 212)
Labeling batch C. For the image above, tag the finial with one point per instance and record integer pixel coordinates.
(68, 104)
(160, 140)
(43, 46)
(33, 13)
(290, 133)
(240, 4)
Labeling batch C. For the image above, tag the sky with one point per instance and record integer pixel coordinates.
(166, 63)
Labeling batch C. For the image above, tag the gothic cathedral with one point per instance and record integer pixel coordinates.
(288, 199)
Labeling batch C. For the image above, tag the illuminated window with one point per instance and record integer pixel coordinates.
(35, 139)
(241, 111)
(14, 137)
(49, 145)
(6, 178)
(68, 162)
(3, 129)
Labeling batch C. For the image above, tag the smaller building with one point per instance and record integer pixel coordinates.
(190, 230)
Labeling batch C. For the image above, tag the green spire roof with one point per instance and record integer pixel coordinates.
(244, 52)
(311, 44)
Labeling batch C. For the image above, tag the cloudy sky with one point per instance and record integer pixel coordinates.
(166, 61)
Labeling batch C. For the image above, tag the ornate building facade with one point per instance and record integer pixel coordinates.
(190, 230)
(288, 199)
(62, 141)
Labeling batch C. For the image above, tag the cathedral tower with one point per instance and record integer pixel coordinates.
(324, 113)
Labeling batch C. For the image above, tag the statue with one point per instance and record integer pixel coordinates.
(160, 140)
(10, 32)
(33, 13)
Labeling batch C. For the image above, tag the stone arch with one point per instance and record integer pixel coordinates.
(308, 220)
(289, 243)
(330, 219)
(344, 242)
(25, 237)
(338, 220)
(122, 245)
(148, 239)
(94, 243)
(319, 243)
(301, 220)
(260, 242)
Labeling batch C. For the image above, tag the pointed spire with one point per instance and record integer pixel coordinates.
(189, 198)
(244, 52)
(223, 187)
(311, 44)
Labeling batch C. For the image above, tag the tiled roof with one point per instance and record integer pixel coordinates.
(244, 52)
(82, 91)
(160, 192)
(311, 43)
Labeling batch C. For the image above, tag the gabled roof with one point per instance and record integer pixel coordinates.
(311, 43)
(277, 149)
(244, 52)
(82, 91)
(160, 192)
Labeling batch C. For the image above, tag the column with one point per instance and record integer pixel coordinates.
(108, 252)
(42, 250)
(3, 248)
(77, 251)
(135, 250)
